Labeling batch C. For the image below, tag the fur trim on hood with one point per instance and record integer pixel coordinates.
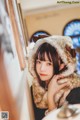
(60, 43)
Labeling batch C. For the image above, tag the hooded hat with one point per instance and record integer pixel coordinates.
(61, 43)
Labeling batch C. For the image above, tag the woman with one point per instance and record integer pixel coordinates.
(53, 68)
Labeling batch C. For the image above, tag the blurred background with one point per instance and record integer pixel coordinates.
(54, 17)
(21, 23)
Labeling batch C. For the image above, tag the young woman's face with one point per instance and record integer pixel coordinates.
(44, 69)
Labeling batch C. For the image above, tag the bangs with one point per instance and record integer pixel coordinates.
(44, 49)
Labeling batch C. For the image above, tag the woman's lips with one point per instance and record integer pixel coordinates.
(43, 74)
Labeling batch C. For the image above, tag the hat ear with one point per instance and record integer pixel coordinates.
(71, 51)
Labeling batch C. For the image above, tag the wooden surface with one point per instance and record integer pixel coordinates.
(16, 34)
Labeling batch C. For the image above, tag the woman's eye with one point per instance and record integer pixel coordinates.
(38, 62)
(49, 64)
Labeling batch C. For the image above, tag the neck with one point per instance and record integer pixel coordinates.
(47, 82)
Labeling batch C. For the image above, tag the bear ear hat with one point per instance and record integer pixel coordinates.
(64, 46)
(71, 51)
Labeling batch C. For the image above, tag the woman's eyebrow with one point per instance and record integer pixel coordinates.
(48, 61)
(37, 59)
(44, 60)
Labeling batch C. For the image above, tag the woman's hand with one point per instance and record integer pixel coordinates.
(56, 84)
(54, 87)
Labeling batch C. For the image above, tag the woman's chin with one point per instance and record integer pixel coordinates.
(43, 78)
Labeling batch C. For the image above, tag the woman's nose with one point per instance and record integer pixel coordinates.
(43, 67)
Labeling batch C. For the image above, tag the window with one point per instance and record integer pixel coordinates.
(39, 34)
(72, 29)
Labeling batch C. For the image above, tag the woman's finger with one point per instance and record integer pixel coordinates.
(64, 85)
(57, 77)
(61, 81)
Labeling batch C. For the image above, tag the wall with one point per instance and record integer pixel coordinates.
(52, 21)
(36, 4)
